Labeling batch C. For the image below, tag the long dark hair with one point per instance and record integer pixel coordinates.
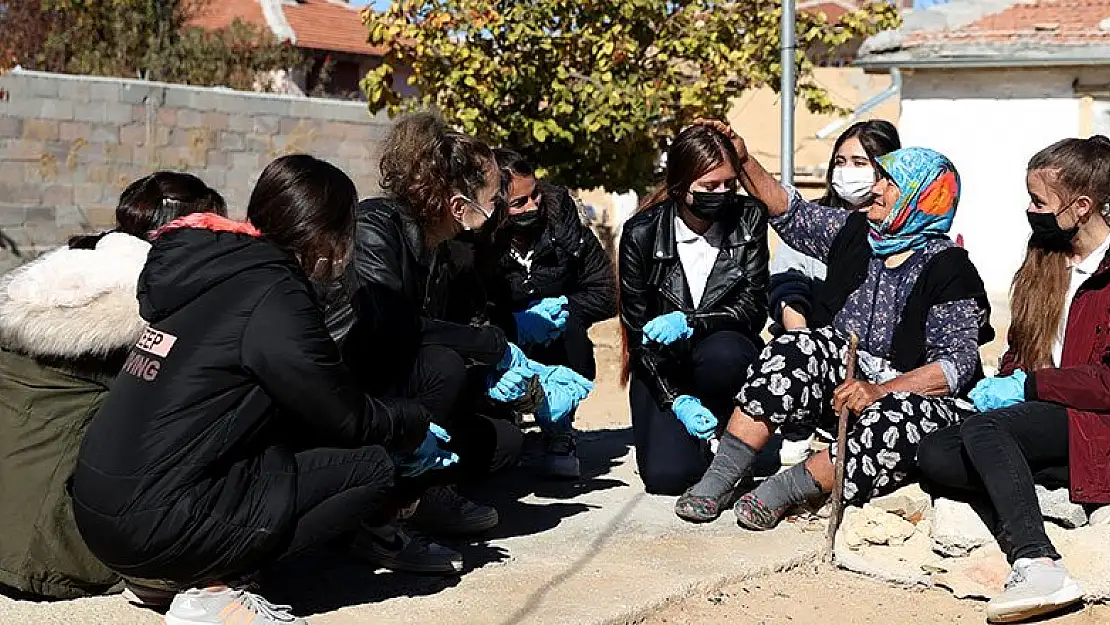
(1078, 167)
(155, 200)
(424, 164)
(877, 136)
(696, 151)
(306, 206)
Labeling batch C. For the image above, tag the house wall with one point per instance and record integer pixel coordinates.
(990, 122)
(70, 144)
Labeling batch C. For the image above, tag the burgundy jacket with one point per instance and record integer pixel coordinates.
(1082, 384)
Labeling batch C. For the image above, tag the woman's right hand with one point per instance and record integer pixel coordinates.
(726, 130)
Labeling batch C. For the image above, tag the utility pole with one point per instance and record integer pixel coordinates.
(786, 90)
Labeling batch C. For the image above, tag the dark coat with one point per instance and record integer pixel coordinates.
(398, 293)
(1082, 384)
(652, 283)
(188, 472)
(567, 259)
(66, 321)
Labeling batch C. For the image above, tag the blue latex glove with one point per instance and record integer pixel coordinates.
(699, 422)
(554, 411)
(512, 385)
(995, 393)
(542, 322)
(428, 456)
(514, 357)
(668, 328)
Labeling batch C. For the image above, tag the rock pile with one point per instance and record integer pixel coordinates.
(909, 538)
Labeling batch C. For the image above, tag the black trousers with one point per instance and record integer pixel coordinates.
(337, 490)
(455, 395)
(669, 459)
(990, 461)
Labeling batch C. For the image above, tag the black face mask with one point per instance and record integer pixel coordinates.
(1047, 233)
(526, 223)
(712, 206)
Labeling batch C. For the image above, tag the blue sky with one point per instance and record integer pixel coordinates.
(377, 3)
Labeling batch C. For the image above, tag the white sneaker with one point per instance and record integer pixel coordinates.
(794, 452)
(1035, 588)
(224, 607)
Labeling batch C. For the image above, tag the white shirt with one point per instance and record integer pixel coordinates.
(1079, 274)
(697, 253)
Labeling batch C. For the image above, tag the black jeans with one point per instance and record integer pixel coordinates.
(990, 460)
(455, 394)
(669, 459)
(338, 489)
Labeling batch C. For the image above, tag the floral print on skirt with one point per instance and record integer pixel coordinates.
(793, 382)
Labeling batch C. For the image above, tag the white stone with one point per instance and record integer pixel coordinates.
(1100, 516)
(909, 502)
(1056, 505)
(873, 526)
(957, 529)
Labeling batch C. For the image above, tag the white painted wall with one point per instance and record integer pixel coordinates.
(990, 123)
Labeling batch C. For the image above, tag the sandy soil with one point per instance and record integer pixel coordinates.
(807, 598)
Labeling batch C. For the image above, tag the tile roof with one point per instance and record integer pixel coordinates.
(328, 25)
(1046, 22)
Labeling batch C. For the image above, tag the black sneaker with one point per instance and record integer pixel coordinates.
(391, 547)
(444, 512)
(560, 458)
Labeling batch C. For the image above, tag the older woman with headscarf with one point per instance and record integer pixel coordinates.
(920, 310)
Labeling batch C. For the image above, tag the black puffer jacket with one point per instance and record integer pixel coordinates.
(567, 259)
(653, 283)
(195, 439)
(395, 293)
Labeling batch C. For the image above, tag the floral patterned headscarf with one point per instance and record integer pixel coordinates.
(930, 189)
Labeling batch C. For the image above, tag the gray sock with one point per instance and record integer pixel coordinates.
(732, 463)
(791, 487)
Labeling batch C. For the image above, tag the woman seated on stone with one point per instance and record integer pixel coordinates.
(693, 299)
(796, 278)
(919, 308)
(1050, 407)
(66, 322)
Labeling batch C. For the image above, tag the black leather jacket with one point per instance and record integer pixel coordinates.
(567, 259)
(652, 283)
(390, 305)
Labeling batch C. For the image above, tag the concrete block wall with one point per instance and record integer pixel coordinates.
(70, 144)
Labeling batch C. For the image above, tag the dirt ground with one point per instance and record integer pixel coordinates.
(803, 597)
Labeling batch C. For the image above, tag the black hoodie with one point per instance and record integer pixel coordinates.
(235, 372)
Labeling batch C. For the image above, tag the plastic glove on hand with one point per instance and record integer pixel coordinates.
(542, 322)
(565, 377)
(511, 386)
(429, 455)
(996, 393)
(554, 411)
(699, 422)
(668, 328)
(514, 357)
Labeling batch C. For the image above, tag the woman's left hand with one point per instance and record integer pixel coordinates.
(857, 395)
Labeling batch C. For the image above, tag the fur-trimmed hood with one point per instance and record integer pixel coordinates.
(75, 303)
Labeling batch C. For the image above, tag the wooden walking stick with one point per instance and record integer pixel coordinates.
(836, 513)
